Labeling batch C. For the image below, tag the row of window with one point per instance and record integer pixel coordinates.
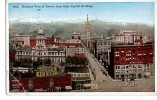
(76, 52)
(126, 67)
(57, 53)
(45, 74)
(24, 53)
(54, 59)
(40, 41)
(80, 75)
(34, 53)
(128, 71)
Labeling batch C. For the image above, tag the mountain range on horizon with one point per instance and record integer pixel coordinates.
(73, 20)
(64, 28)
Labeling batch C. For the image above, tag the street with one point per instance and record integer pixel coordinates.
(107, 84)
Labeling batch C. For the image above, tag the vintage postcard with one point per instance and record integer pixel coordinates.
(80, 47)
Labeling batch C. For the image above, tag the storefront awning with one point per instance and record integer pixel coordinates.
(68, 87)
(87, 85)
(147, 74)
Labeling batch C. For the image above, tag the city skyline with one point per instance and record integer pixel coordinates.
(133, 12)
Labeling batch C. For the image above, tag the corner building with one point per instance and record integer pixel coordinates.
(131, 61)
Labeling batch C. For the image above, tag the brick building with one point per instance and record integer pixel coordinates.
(131, 61)
(51, 83)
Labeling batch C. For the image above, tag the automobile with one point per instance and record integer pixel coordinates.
(104, 81)
(104, 72)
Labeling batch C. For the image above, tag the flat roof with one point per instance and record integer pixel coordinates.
(77, 69)
(131, 45)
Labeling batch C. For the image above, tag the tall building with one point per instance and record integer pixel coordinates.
(131, 61)
(88, 33)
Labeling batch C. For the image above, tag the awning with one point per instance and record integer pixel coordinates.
(87, 85)
(147, 74)
(68, 87)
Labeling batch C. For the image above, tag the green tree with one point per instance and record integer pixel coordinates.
(47, 62)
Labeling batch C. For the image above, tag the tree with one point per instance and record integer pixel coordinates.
(68, 60)
(17, 64)
(75, 60)
(83, 61)
(47, 62)
(39, 61)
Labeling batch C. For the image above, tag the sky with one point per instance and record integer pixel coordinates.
(135, 12)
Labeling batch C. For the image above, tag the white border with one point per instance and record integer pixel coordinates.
(74, 93)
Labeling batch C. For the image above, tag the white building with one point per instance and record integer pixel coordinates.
(71, 51)
(129, 37)
(56, 54)
(20, 40)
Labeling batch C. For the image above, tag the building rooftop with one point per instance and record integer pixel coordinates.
(17, 35)
(80, 78)
(26, 48)
(56, 49)
(131, 45)
(76, 69)
(23, 75)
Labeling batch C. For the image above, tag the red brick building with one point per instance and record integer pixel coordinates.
(131, 61)
(56, 83)
(33, 42)
(48, 41)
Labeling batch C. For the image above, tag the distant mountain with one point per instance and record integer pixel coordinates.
(63, 28)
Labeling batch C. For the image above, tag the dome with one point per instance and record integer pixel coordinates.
(40, 31)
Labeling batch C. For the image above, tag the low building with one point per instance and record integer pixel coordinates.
(75, 35)
(23, 69)
(46, 71)
(45, 84)
(71, 50)
(20, 40)
(80, 77)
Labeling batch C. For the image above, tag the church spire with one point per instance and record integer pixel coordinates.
(87, 17)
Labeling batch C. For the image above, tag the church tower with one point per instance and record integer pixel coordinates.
(88, 33)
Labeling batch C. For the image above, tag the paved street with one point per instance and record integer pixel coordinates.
(106, 84)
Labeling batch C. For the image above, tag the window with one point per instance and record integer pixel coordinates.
(133, 66)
